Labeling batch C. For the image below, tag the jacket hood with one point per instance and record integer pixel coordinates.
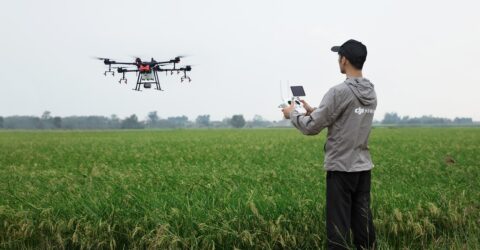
(363, 90)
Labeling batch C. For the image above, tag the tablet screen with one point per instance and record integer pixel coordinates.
(297, 91)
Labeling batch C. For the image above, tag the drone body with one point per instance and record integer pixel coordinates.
(147, 71)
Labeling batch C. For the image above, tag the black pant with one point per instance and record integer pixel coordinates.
(348, 207)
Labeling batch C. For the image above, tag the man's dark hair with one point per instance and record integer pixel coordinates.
(356, 62)
(354, 51)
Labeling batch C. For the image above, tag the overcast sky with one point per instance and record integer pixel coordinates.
(423, 56)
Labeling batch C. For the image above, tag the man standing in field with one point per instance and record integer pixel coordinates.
(347, 111)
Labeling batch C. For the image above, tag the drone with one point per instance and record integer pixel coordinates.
(147, 71)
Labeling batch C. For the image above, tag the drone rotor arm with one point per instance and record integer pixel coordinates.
(131, 70)
(162, 63)
(124, 63)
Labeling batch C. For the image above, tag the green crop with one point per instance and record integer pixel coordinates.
(226, 189)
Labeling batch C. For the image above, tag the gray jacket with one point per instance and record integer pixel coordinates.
(347, 111)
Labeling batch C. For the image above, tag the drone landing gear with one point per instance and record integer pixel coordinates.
(157, 81)
(185, 77)
(109, 71)
(139, 82)
(123, 79)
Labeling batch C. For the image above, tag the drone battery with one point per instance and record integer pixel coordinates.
(147, 85)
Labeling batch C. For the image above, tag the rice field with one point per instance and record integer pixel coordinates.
(228, 189)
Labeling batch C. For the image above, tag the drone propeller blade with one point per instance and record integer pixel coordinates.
(177, 58)
(100, 58)
(106, 61)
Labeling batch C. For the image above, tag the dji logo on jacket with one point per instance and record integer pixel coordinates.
(361, 110)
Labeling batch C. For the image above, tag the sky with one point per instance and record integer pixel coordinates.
(423, 56)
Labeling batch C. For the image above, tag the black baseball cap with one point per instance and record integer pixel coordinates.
(354, 51)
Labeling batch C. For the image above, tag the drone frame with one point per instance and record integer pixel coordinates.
(144, 68)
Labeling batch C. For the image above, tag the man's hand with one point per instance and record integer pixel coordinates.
(307, 107)
(286, 111)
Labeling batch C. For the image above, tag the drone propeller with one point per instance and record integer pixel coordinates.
(105, 60)
(186, 68)
(177, 58)
(100, 58)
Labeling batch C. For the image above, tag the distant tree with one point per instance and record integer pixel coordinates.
(152, 119)
(391, 118)
(458, 120)
(57, 122)
(203, 121)
(163, 123)
(114, 121)
(258, 121)
(131, 123)
(226, 122)
(405, 119)
(38, 123)
(46, 115)
(237, 121)
(177, 121)
(1, 122)
(46, 120)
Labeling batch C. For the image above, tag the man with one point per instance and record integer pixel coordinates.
(347, 111)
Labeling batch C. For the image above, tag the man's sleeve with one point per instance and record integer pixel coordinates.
(320, 118)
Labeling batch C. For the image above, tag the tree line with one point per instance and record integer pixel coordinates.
(394, 119)
(153, 120)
